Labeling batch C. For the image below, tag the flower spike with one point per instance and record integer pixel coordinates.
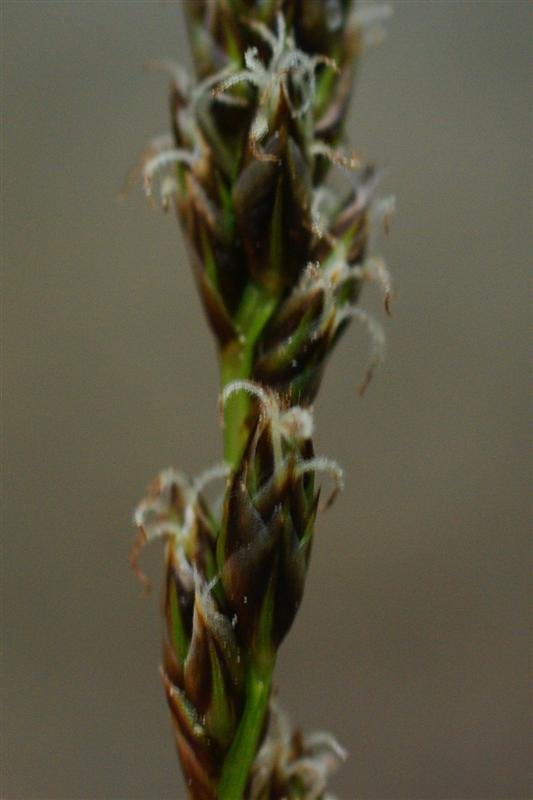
(281, 253)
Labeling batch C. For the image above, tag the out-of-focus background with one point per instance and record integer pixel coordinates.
(412, 643)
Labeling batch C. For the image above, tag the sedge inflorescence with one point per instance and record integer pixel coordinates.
(280, 256)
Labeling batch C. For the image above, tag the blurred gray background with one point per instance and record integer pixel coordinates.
(412, 643)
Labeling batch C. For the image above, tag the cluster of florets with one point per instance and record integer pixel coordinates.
(319, 300)
(230, 567)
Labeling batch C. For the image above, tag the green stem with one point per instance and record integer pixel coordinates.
(241, 754)
(236, 362)
(255, 310)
